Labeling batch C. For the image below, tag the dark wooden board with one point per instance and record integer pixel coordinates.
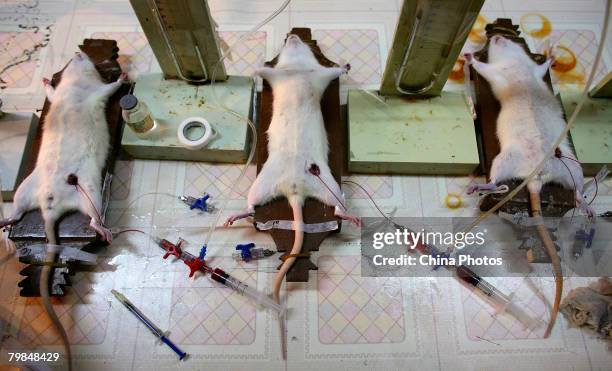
(74, 227)
(314, 211)
(555, 199)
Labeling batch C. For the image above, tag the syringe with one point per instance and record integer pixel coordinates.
(499, 299)
(162, 336)
(242, 288)
(465, 274)
(217, 274)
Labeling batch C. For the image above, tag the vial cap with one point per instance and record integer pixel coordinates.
(128, 102)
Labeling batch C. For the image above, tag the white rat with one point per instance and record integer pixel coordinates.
(297, 143)
(529, 122)
(73, 152)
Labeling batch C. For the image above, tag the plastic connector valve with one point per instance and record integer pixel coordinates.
(586, 237)
(172, 249)
(194, 265)
(198, 263)
(198, 203)
(245, 251)
(248, 252)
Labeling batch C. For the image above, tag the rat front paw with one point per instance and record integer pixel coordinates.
(46, 81)
(124, 76)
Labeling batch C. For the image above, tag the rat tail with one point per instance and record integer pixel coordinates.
(536, 209)
(298, 220)
(45, 277)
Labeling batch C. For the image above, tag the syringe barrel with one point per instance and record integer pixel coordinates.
(503, 302)
(242, 288)
(518, 313)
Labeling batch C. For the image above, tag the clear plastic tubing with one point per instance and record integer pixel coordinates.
(243, 289)
(222, 105)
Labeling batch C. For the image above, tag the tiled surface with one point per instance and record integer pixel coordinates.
(576, 48)
(356, 310)
(484, 322)
(83, 314)
(217, 179)
(359, 47)
(338, 319)
(20, 52)
(136, 55)
(247, 51)
(205, 314)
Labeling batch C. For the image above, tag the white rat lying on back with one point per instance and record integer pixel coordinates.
(75, 143)
(297, 143)
(72, 154)
(529, 122)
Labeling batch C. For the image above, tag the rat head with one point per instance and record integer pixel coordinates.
(502, 50)
(80, 67)
(514, 65)
(295, 53)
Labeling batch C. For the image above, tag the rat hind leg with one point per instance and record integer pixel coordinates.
(572, 178)
(90, 203)
(327, 190)
(24, 200)
(261, 191)
(502, 168)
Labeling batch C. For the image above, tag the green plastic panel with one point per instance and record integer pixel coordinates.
(402, 136)
(172, 101)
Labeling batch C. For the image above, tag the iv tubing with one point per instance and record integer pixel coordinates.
(223, 205)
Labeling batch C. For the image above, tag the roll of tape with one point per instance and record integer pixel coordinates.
(187, 125)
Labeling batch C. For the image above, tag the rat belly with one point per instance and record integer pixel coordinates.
(299, 133)
(525, 136)
(75, 141)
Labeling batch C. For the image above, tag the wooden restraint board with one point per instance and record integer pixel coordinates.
(314, 211)
(556, 200)
(74, 227)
